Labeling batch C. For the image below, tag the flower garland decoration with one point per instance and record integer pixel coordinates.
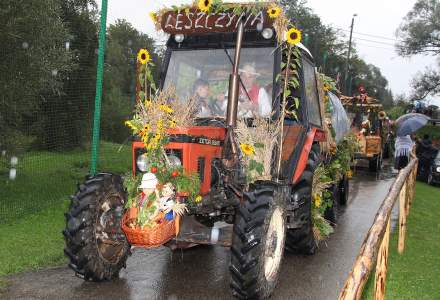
(321, 201)
(325, 176)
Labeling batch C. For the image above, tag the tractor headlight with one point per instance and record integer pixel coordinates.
(142, 163)
(438, 169)
(174, 161)
(267, 33)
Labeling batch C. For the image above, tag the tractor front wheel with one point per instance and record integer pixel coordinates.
(95, 243)
(258, 242)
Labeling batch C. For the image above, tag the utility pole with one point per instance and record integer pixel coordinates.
(347, 64)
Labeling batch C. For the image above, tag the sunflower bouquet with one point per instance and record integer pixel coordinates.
(154, 119)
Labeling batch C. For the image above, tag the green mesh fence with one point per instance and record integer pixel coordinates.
(48, 63)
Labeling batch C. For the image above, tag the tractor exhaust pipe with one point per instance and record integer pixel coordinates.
(234, 79)
(230, 150)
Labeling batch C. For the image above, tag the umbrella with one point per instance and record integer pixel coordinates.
(408, 116)
(410, 123)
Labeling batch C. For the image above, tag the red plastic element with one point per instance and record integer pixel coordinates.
(304, 155)
(192, 152)
(320, 135)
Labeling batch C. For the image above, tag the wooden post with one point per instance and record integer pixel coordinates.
(402, 217)
(413, 184)
(382, 266)
(373, 248)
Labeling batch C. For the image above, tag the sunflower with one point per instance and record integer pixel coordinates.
(145, 130)
(131, 125)
(247, 149)
(293, 36)
(166, 108)
(349, 174)
(143, 56)
(317, 200)
(205, 5)
(173, 123)
(198, 199)
(153, 17)
(274, 12)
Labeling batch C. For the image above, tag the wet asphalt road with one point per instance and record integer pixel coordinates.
(202, 273)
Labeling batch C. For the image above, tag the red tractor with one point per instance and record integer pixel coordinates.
(264, 217)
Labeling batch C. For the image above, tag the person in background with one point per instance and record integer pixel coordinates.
(426, 153)
(403, 147)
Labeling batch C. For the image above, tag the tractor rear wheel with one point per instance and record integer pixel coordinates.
(95, 243)
(258, 242)
(375, 163)
(331, 213)
(344, 190)
(302, 240)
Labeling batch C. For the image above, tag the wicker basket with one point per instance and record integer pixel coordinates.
(149, 237)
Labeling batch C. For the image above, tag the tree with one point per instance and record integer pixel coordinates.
(124, 41)
(66, 122)
(420, 34)
(34, 61)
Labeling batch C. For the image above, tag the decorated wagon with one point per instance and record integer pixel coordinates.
(370, 124)
(235, 134)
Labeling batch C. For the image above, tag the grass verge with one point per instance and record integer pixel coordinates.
(415, 274)
(33, 241)
(43, 178)
(32, 207)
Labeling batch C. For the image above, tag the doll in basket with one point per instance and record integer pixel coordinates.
(147, 197)
(168, 207)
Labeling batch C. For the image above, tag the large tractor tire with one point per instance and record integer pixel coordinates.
(302, 240)
(95, 243)
(258, 242)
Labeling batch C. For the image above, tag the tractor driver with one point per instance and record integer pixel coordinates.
(253, 100)
(256, 101)
(205, 107)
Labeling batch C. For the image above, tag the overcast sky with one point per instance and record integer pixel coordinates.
(374, 29)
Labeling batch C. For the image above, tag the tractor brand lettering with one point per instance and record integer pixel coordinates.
(196, 21)
(205, 141)
(195, 140)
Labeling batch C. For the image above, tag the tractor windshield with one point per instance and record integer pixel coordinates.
(203, 75)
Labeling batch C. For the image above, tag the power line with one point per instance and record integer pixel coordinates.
(371, 46)
(373, 41)
(372, 35)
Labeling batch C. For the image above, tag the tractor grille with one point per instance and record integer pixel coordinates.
(201, 168)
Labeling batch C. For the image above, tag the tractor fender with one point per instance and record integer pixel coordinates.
(302, 161)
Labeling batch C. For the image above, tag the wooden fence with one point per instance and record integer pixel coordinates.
(375, 246)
